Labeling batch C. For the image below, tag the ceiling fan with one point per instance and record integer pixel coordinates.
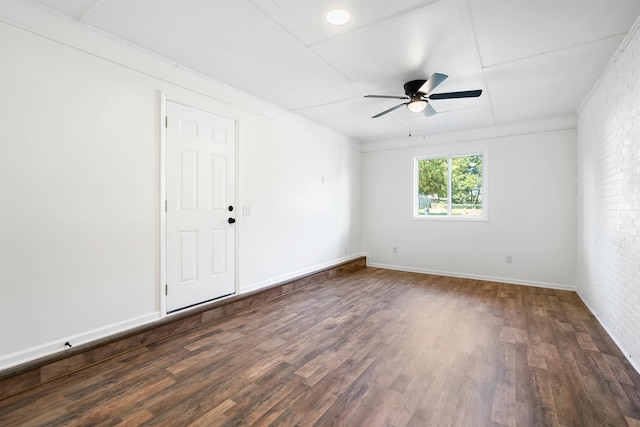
(418, 92)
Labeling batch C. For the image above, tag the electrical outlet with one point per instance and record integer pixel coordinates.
(509, 259)
(395, 249)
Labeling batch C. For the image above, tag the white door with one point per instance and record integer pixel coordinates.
(200, 234)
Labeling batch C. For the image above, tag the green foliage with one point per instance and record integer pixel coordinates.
(432, 178)
(466, 178)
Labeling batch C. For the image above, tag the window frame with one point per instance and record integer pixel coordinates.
(448, 217)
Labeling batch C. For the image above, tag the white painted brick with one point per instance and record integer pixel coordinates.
(608, 200)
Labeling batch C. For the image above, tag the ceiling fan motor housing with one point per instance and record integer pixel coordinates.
(412, 87)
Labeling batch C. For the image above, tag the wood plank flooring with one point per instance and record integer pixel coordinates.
(374, 348)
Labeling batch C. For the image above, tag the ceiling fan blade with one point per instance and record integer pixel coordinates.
(451, 95)
(429, 111)
(389, 110)
(386, 96)
(432, 82)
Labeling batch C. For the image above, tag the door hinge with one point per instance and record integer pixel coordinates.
(166, 289)
(165, 206)
(166, 121)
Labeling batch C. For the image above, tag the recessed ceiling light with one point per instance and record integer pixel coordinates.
(338, 17)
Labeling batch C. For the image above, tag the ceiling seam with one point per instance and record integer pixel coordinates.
(323, 104)
(392, 18)
(481, 62)
(85, 18)
(308, 49)
(549, 52)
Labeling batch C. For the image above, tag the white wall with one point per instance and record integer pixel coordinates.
(303, 191)
(531, 203)
(80, 184)
(608, 255)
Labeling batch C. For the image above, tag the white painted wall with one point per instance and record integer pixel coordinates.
(531, 203)
(608, 253)
(303, 192)
(80, 184)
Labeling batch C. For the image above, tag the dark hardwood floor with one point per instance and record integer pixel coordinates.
(374, 348)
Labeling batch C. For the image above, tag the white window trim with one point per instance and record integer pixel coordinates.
(485, 187)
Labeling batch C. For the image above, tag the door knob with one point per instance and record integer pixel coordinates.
(231, 220)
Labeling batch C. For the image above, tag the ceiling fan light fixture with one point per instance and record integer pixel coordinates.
(417, 106)
(418, 92)
(338, 17)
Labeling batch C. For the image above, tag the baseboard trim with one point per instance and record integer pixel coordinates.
(32, 374)
(45, 350)
(296, 274)
(623, 350)
(509, 281)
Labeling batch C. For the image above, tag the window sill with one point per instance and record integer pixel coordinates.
(483, 218)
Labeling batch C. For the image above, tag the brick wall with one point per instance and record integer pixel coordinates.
(608, 199)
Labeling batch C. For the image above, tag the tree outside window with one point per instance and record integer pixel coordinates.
(450, 186)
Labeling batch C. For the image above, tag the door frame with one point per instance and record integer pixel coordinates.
(163, 197)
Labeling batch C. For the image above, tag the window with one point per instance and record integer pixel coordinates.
(450, 187)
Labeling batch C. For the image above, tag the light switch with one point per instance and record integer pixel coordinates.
(246, 210)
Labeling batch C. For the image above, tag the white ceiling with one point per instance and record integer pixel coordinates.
(532, 58)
